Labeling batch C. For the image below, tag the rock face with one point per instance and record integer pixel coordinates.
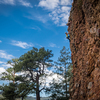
(84, 31)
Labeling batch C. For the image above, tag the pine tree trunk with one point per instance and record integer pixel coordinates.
(22, 98)
(37, 95)
(37, 90)
(66, 90)
(66, 81)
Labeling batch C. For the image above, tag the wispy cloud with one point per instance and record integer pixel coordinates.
(1, 62)
(26, 4)
(35, 28)
(4, 55)
(53, 45)
(41, 18)
(21, 44)
(59, 10)
(0, 41)
(6, 65)
(15, 2)
(39, 45)
(10, 2)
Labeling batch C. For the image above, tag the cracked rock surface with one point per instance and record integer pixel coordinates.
(84, 31)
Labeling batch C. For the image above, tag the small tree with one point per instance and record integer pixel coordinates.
(55, 89)
(9, 91)
(23, 89)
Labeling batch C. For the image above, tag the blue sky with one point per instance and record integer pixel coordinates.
(28, 23)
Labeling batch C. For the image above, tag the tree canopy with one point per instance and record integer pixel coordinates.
(29, 72)
(33, 64)
(63, 67)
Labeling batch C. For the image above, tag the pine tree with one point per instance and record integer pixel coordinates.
(15, 89)
(63, 66)
(33, 63)
(10, 72)
(23, 89)
(9, 91)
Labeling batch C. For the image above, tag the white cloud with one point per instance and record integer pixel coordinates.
(49, 77)
(21, 44)
(6, 65)
(15, 2)
(65, 9)
(66, 2)
(4, 55)
(26, 4)
(11, 2)
(49, 4)
(59, 10)
(57, 78)
(2, 70)
(60, 15)
(0, 41)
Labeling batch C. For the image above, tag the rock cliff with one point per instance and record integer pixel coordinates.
(84, 31)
